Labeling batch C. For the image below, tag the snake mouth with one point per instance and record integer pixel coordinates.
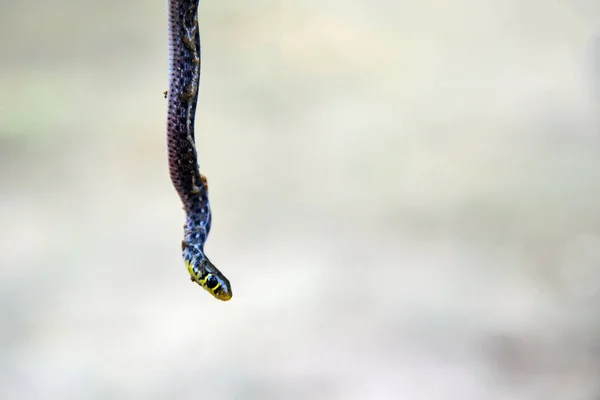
(220, 291)
(223, 295)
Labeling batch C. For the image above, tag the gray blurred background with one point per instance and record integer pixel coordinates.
(405, 196)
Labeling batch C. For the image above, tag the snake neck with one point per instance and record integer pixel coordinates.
(198, 222)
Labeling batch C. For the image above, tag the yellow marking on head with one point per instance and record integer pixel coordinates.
(203, 281)
(191, 271)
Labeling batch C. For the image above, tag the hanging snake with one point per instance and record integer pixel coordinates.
(191, 186)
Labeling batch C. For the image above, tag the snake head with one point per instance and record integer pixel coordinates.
(205, 274)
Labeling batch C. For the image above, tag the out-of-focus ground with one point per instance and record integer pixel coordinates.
(405, 194)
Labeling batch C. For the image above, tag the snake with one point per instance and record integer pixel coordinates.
(184, 169)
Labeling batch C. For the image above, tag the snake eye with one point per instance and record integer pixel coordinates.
(212, 282)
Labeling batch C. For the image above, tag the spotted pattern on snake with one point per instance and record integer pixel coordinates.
(191, 186)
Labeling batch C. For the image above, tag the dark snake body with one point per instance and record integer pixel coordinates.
(184, 80)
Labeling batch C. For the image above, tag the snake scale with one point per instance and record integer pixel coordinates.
(191, 186)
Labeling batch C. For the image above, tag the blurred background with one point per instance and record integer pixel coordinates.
(405, 197)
